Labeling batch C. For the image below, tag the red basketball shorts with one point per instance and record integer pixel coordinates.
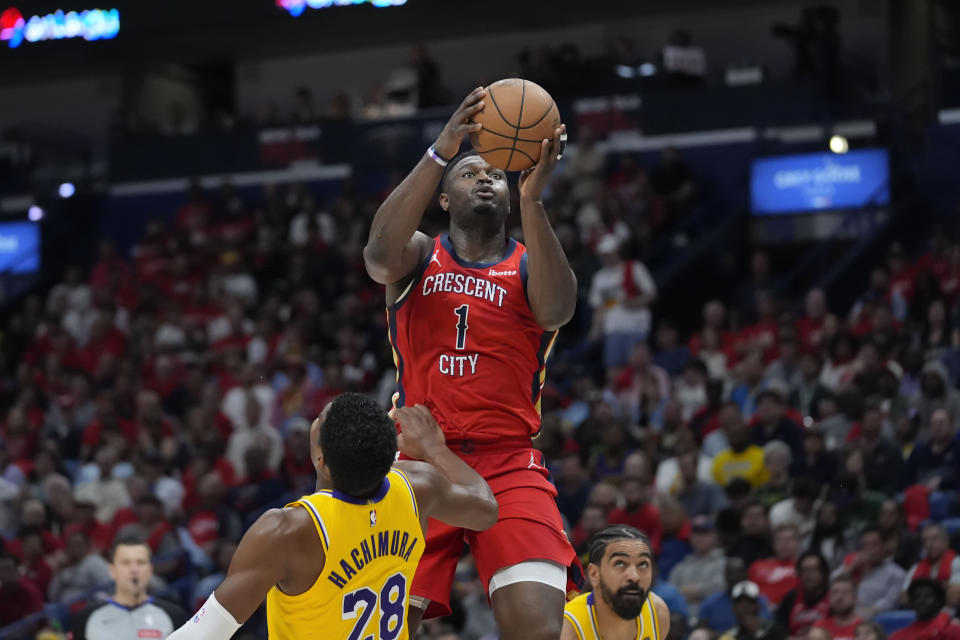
(529, 525)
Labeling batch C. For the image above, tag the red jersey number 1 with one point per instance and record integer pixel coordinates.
(462, 326)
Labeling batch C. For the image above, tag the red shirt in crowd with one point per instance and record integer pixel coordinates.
(774, 577)
(646, 518)
(943, 627)
(838, 631)
(810, 331)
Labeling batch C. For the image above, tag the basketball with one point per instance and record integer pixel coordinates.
(516, 118)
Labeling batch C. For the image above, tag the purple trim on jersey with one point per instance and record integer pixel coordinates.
(384, 487)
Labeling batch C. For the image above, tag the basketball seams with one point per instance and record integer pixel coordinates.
(497, 107)
(523, 95)
(540, 119)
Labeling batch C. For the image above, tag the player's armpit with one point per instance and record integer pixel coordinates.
(452, 492)
(263, 558)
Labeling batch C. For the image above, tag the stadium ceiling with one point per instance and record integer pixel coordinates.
(182, 31)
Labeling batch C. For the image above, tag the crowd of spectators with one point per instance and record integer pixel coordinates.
(795, 465)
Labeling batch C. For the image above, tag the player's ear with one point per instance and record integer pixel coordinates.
(593, 574)
(444, 201)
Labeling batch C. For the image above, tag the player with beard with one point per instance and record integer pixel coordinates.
(621, 571)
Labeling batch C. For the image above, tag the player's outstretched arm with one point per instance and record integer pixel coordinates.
(447, 488)
(551, 283)
(263, 559)
(394, 246)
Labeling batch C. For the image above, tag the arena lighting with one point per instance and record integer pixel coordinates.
(91, 24)
(35, 213)
(66, 190)
(297, 7)
(647, 69)
(839, 144)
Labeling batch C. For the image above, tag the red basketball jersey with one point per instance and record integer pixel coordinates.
(467, 346)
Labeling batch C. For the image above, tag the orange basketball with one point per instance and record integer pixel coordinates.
(517, 116)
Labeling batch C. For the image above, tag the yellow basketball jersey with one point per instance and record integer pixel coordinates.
(372, 549)
(582, 614)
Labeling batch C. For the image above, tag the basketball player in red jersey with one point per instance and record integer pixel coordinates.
(473, 316)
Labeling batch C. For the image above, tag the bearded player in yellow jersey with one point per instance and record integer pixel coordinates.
(621, 605)
(338, 564)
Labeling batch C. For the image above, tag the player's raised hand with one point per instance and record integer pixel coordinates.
(534, 179)
(459, 124)
(420, 435)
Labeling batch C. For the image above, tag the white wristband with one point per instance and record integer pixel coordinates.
(212, 622)
(432, 152)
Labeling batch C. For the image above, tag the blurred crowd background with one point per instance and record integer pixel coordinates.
(769, 403)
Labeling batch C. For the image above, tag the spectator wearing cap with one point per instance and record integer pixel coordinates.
(750, 625)
(807, 603)
(798, 510)
(778, 575)
(939, 562)
(927, 599)
(772, 423)
(936, 463)
(742, 459)
(700, 574)
(879, 579)
(621, 293)
(716, 611)
(843, 620)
